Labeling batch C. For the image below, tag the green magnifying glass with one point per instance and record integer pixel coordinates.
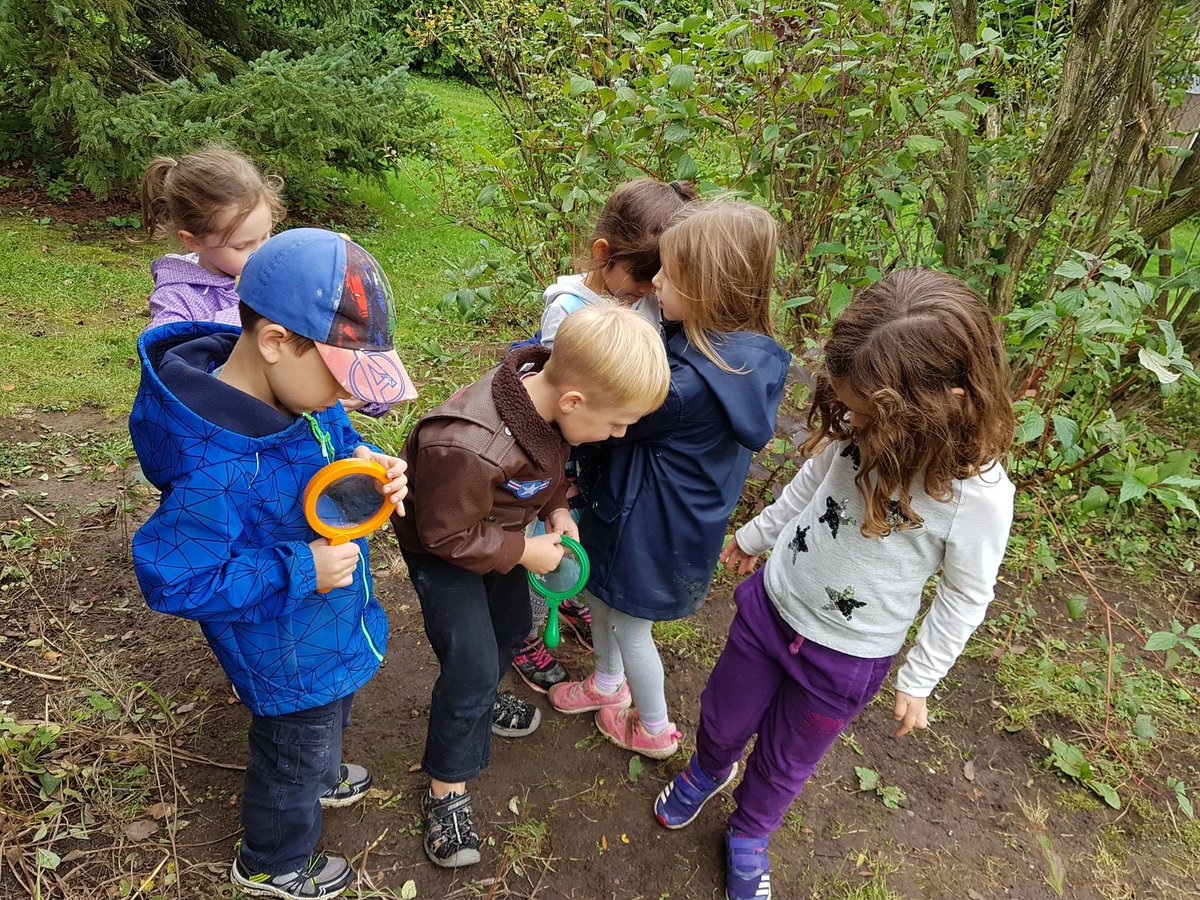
(563, 583)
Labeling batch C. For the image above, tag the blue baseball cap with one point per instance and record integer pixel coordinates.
(323, 286)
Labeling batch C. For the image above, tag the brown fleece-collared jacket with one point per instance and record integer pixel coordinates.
(480, 468)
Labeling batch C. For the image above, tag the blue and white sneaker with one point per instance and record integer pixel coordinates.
(748, 867)
(681, 800)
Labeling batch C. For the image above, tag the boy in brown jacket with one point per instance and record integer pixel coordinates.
(487, 461)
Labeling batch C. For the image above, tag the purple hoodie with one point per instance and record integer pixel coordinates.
(187, 292)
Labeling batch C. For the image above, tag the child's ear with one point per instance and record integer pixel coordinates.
(189, 240)
(270, 340)
(601, 251)
(569, 401)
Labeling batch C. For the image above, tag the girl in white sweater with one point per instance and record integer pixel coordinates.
(909, 421)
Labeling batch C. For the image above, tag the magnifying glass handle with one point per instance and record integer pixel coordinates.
(332, 542)
(551, 636)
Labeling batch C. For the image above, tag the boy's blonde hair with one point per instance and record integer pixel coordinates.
(613, 356)
(720, 257)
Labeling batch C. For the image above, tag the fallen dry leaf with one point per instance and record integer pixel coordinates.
(969, 770)
(186, 708)
(160, 810)
(8, 387)
(140, 830)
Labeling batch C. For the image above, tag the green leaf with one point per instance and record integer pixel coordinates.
(680, 77)
(839, 299)
(1161, 640)
(1076, 606)
(989, 35)
(1066, 430)
(1158, 364)
(676, 133)
(686, 168)
(757, 59)
(408, 891)
(920, 143)
(1031, 427)
(1071, 270)
(868, 779)
(1132, 488)
(580, 85)
(1106, 793)
(889, 197)
(1094, 499)
(1143, 727)
(47, 859)
(636, 767)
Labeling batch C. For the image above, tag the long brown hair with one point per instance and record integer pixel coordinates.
(631, 221)
(904, 345)
(193, 192)
(720, 256)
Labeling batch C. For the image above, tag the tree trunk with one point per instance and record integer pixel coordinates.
(960, 188)
(1092, 75)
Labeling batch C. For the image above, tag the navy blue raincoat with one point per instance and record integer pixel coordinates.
(659, 498)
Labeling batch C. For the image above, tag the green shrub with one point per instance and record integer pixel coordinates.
(93, 90)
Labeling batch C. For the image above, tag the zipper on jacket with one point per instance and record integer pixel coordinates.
(327, 451)
(363, 619)
(323, 439)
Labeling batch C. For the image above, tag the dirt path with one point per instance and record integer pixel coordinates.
(147, 804)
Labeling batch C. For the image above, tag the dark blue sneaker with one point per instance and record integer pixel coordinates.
(681, 800)
(747, 867)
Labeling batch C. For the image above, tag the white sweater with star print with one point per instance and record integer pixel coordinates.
(859, 595)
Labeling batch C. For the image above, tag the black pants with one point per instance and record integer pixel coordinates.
(475, 624)
(294, 759)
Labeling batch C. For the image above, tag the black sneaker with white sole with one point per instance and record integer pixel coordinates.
(321, 876)
(352, 785)
(514, 718)
(450, 837)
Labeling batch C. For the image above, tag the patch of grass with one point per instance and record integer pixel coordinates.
(71, 311)
(684, 637)
(526, 848)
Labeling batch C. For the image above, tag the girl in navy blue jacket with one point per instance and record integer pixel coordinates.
(659, 499)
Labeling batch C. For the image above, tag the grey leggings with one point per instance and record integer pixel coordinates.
(624, 644)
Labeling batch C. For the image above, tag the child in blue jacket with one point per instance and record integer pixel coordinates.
(231, 426)
(660, 497)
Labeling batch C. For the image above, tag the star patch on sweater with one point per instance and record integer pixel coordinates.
(852, 453)
(799, 542)
(843, 601)
(895, 517)
(835, 515)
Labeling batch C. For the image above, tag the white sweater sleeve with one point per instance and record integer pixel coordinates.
(974, 551)
(760, 533)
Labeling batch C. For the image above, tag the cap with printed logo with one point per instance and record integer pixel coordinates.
(323, 286)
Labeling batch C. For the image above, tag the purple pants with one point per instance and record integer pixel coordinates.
(796, 695)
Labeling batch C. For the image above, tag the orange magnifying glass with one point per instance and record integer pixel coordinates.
(345, 500)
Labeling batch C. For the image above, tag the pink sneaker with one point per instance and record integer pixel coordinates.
(574, 697)
(624, 728)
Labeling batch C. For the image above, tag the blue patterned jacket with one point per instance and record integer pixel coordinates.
(228, 545)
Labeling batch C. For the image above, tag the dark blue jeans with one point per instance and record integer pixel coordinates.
(475, 624)
(294, 759)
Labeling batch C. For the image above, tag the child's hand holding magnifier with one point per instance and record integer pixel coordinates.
(349, 499)
(396, 488)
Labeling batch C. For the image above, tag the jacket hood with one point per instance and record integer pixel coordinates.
(184, 417)
(749, 395)
(176, 269)
(573, 285)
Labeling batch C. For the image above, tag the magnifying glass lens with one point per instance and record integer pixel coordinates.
(565, 576)
(349, 501)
